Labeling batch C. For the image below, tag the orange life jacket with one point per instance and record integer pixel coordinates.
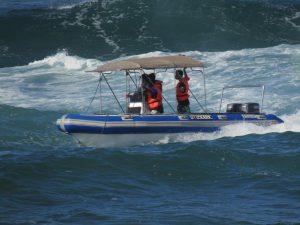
(182, 96)
(153, 103)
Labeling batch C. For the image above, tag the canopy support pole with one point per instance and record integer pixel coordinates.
(132, 79)
(244, 86)
(127, 90)
(169, 104)
(222, 94)
(204, 86)
(99, 83)
(197, 100)
(113, 93)
(262, 98)
(100, 86)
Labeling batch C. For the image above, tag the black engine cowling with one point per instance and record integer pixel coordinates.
(243, 108)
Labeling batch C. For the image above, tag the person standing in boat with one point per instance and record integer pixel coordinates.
(182, 89)
(153, 93)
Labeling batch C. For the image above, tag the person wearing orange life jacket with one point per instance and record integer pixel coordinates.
(153, 93)
(182, 89)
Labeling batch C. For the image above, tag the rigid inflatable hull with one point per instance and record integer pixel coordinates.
(118, 130)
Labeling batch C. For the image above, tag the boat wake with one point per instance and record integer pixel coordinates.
(291, 124)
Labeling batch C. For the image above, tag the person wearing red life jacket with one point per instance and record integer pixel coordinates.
(153, 93)
(182, 89)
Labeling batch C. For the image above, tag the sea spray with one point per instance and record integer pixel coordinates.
(60, 82)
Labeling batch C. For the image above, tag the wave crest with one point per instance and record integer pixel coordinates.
(62, 59)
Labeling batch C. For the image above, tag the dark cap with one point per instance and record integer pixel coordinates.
(152, 77)
(178, 74)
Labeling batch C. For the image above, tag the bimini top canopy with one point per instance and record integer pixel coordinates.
(150, 63)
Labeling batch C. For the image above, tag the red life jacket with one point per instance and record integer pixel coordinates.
(182, 96)
(153, 103)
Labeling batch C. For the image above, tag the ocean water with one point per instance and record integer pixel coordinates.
(241, 175)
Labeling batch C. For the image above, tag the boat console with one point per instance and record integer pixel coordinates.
(135, 105)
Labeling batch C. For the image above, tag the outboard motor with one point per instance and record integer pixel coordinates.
(250, 108)
(243, 108)
(234, 108)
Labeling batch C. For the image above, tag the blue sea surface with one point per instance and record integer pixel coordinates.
(243, 174)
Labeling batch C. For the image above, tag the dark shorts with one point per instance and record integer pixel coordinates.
(183, 107)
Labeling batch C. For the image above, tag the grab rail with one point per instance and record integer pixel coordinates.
(244, 86)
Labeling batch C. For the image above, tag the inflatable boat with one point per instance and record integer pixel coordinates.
(136, 125)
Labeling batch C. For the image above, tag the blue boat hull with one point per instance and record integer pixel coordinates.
(110, 125)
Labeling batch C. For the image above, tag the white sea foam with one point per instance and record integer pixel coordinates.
(93, 21)
(72, 5)
(291, 123)
(97, 22)
(106, 3)
(63, 60)
(59, 82)
(291, 20)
